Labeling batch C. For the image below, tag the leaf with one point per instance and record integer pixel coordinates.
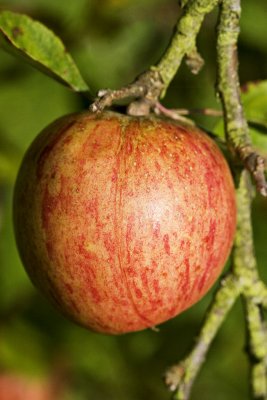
(37, 44)
(254, 99)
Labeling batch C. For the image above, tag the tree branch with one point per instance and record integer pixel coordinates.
(236, 127)
(146, 87)
(253, 291)
(257, 348)
(181, 376)
(184, 39)
(153, 84)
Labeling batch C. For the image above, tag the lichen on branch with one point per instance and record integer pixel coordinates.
(152, 84)
(236, 126)
(184, 39)
(180, 377)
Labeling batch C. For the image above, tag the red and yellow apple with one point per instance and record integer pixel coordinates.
(123, 222)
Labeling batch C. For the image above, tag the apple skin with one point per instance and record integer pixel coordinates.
(123, 222)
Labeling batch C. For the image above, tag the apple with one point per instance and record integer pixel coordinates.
(123, 222)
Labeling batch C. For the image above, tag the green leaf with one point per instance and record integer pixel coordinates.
(254, 99)
(37, 44)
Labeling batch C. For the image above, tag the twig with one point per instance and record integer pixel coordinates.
(244, 257)
(184, 40)
(236, 127)
(237, 135)
(172, 114)
(253, 291)
(257, 348)
(194, 61)
(147, 86)
(153, 84)
(178, 112)
(181, 377)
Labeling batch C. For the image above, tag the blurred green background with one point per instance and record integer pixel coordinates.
(112, 42)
